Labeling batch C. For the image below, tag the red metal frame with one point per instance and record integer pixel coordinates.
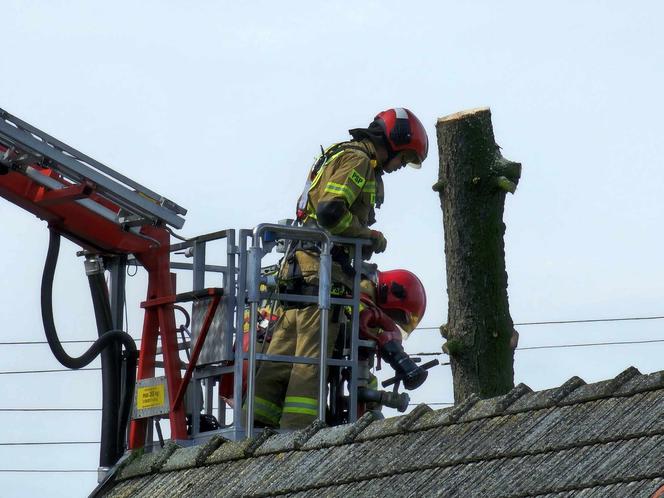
(93, 232)
(159, 322)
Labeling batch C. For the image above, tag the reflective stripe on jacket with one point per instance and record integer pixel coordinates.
(349, 176)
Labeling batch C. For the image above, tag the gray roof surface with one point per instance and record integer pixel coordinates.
(589, 440)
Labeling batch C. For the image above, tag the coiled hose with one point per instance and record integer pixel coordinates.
(109, 338)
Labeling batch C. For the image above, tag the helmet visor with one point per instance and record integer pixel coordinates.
(406, 321)
(410, 158)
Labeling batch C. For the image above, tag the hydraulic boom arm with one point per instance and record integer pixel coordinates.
(107, 214)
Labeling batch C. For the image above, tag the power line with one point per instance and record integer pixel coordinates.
(550, 346)
(50, 410)
(595, 320)
(48, 443)
(32, 343)
(47, 471)
(587, 344)
(557, 346)
(18, 372)
(38, 410)
(550, 322)
(565, 322)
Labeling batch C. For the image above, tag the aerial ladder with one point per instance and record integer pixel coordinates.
(111, 218)
(117, 222)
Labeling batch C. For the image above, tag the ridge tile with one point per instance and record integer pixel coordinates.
(236, 450)
(545, 399)
(603, 389)
(339, 435)
(290, 441)
(192, 456)
(494, 406)
(148, 463)
(644, 382)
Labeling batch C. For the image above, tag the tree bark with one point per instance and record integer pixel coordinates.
(473, 181)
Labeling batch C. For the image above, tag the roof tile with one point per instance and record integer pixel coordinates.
(341, 434)
(148, 463)
(602, 389)
(493, 406)
(394, 425)
(642, 383)
(382, 428)
(446, 416)
(604, 439)
(409, 420)
(432, 419)
(289, 441)
(643, 488)
(192, 456)
(234, 450)
(547, 398)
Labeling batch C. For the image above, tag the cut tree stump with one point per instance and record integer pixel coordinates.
(473, 181)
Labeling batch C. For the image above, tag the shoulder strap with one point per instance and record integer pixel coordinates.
(316, 169)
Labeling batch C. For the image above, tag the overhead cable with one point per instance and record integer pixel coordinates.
(7, 410)
(54, 370)
(47, 443)
(558, 346)
(48, 471)
(565, 322)
(552, 322)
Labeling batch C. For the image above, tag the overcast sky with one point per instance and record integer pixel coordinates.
(222, 106)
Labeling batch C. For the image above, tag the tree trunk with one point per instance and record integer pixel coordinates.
(473, 181)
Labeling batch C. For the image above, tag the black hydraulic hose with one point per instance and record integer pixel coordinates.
(116, 393)
(112, 444)
(127, 396)
(58, 351)
(108, 338)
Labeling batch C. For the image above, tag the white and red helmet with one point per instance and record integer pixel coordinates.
(404, 132)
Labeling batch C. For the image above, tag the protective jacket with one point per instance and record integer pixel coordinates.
(345, 191)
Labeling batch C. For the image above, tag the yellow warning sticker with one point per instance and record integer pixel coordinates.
(150, 397)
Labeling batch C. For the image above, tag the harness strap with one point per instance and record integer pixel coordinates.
(316, 172)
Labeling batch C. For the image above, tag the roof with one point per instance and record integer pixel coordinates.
(592, 440)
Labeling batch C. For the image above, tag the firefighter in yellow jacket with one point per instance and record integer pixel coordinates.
(343, 189)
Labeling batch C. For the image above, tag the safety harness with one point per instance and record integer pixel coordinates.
(316, 172)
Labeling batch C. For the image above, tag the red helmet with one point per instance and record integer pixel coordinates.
(404, 132)
(402, 296)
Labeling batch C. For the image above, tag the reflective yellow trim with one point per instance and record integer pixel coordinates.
(301, 404)
(343, 224)
(267, 410)
(316, 179)
(337, 188)
(370, 188)
(304, 411)
(301, 399)
(322, 168)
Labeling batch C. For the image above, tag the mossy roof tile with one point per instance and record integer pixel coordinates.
(600, 439)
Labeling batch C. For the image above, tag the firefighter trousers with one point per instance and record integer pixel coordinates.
(287, 393)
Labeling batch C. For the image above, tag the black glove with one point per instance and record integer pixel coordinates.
(412, 375)
(379, 242)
